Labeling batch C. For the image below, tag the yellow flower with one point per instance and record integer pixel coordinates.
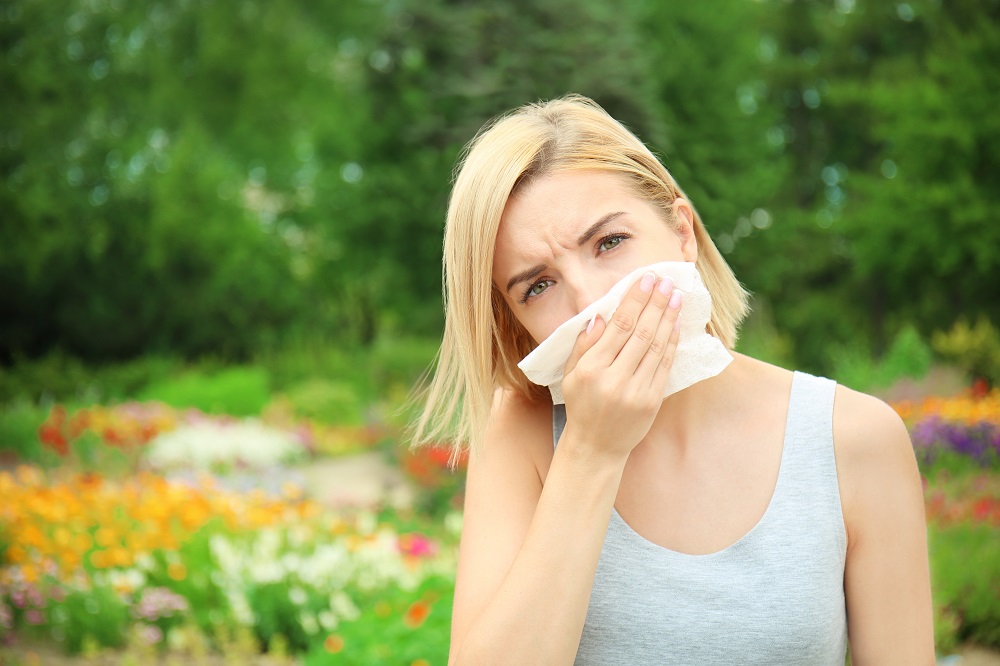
(177, 571)
(104, 537)
(120, 557)
(30, 573)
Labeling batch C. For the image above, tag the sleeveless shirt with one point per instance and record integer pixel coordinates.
(776, 596)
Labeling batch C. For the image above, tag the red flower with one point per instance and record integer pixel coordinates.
(416, 614)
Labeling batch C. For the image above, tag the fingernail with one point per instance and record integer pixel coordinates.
(590, 326)
(675, 299)
(666, 284)
(647, 282)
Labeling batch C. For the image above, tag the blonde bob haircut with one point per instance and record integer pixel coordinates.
(483, 341)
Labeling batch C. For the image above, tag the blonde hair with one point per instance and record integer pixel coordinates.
(483, 341)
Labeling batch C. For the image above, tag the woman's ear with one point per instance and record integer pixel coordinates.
(684, 228)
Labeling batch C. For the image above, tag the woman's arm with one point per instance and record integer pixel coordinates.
(887, 579)
(528, 553)
(529, 550)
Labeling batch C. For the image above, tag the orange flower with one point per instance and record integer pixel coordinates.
(333, 643)
(416, 614)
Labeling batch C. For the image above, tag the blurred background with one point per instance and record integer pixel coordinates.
(220, 252)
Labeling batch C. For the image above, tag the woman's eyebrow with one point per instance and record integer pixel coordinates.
(591, 231)
(525, 275)
(597, 226)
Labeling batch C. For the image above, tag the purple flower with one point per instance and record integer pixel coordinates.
(978, 441)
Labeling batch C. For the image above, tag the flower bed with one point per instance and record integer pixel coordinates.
(145, 563)
(963, 534)
(957, 444)
(152, 434)
(438, 475)
(958, 433)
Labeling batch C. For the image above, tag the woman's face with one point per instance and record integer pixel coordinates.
(567, 238)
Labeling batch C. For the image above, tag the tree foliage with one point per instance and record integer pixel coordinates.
(201, 177)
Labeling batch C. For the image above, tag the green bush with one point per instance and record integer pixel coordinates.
(238, 391)
(395, 626)
(976, 349)
(965, 574)
(401, 360)
(19, 422)
(62, 378)
(293, 364)
(761, 339)
(907, 356)
(98, 615)
(327, 401)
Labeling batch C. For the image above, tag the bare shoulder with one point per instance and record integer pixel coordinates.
(519, 428)
(866, 430)
(876, 466)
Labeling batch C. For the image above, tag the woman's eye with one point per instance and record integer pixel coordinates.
(539, 287)
(611, 242)
(535, 290)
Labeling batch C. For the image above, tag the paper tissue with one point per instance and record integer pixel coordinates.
(699, 355)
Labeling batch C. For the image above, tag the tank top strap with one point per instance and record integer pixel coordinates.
(810, 411)
(558, 423)
(809, 468)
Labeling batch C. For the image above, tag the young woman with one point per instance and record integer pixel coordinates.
(758, 516)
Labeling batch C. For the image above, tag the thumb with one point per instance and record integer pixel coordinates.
(584, 342)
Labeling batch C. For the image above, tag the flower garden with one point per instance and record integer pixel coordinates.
(148, 532)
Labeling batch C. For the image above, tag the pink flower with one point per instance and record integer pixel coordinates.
(416, 544)
(6, 616)
(150, 634)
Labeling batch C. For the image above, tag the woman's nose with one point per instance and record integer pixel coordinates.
(590, 287)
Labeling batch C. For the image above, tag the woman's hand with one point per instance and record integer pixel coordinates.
(617, 372)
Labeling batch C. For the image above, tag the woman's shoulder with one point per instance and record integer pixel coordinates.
(876, 465)
(867, 431)
(520, 427)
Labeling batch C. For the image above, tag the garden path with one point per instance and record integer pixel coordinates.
(362, 480)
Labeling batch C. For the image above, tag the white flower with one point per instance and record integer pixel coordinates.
(328, 620)
(308, 623)
(202, 445)
(298, 596)
(144, 562)
(343, 606)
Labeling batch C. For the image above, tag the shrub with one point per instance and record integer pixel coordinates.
(58, 377)
(907, 356)
(976, 349)
(19, 423)
(238, 391)
(397, 626)
(965, 571)
(327, 401)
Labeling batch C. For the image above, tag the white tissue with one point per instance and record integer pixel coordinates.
(699, 355)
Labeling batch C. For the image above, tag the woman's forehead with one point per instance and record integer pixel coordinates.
(552, 213)
(560, 204)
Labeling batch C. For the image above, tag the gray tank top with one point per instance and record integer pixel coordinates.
(776, 596)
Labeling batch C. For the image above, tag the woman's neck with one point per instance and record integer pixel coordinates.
(688, 417)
